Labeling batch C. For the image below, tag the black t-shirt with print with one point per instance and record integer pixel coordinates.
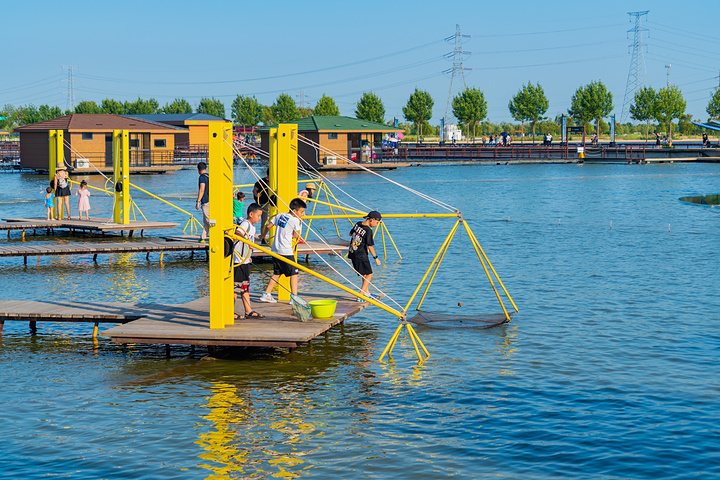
(361, 238)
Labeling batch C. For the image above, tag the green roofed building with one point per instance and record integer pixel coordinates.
(340, 138)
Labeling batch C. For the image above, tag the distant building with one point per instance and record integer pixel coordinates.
(358, 140)
(88, 141)
(196, 127)
(452, 132)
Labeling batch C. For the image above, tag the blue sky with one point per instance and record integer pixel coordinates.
(169, 49)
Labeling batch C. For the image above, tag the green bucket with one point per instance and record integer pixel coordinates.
(322, 308)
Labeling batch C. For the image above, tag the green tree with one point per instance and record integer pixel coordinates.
(419, 108)
(669, 104)
(112, 106)
(590, 102)
(713, 107)
(326, 106)
(529, 104)
(48, 113)
(370, 108)
(211, 106)
(470, 107)
(29, 114)
(87, 106)
(267, 115)
(246, 111)
(142, 107)
(10, 117)
(305, 112)
(179, 105)
(643, 109)
(284, 109)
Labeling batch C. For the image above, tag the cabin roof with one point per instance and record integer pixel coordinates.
(96, 122)
(320, 123)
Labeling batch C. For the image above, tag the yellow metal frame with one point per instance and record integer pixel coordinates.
(220, 171)
(121, 175)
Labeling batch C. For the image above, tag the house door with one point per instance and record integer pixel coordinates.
(108, 150)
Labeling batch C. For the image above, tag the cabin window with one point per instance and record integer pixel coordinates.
(160, 143)
(87, 136)
(332, 136)
(134, 143)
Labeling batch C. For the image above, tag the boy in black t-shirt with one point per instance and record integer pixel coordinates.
(361, 242)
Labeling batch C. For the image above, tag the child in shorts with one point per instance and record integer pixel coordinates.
(49, 206)
(287, 228)
(362, 243)
(242, 258)
(238, 207)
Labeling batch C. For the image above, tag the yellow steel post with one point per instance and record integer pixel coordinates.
(392, 341)
(283, 179)
(336, 201)
(391, 240)
(333, 213)
(121, 176)
(57, 154)
(220, 172)
(414, 333)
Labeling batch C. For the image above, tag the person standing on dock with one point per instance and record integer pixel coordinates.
(287, 227)
(49, 199)
(308, 191)
(62, 191)
(238, 202)
(362, 243)
(242, 258)
(262, 196)
(203, 200)
(83, 201)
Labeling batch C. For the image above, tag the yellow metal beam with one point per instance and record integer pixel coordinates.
(388, 215)
(57, 159)
(220, 172)
(121, 176)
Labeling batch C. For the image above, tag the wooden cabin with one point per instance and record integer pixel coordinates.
(345, 137)
(88, 141)
(196, 127)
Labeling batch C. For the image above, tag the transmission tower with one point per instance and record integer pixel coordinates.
(457, 72)
(71, 89)
(637, 77)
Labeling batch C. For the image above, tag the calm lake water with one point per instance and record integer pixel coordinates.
(609, 370)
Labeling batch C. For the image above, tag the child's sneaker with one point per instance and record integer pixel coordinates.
(267, 298)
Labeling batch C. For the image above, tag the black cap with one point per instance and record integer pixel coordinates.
(374, 214)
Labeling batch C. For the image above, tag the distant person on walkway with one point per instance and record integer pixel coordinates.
(203, 200)
(49, 207)
(62, 191)
(238, 202)
(595, 140)
(362, 243)
(263, 197)
(308, 191)
(549, 138)
(83, 201)
(657, 139)
(705, 141)
(287, 227)
(242, 258)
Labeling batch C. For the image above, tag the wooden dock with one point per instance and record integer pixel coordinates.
(189, 323)
(94, 225)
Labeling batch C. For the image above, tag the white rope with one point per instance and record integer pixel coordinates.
(437, 202)
(324, 242)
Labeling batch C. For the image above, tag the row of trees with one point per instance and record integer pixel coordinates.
(589, 103)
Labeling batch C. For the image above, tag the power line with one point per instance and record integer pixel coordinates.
(637, 76)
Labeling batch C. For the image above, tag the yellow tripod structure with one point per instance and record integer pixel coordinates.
(434, 266)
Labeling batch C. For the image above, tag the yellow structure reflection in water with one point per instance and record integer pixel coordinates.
(238, 445)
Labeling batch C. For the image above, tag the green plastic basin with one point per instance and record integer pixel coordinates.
(322, 308)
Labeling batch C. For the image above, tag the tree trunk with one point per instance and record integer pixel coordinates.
(533, 132)
(647, 130)
(597, 128)
(474, 125)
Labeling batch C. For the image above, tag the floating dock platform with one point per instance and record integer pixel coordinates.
(94, 225)
(189, 323)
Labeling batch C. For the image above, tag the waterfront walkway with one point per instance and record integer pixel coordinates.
(91, 226)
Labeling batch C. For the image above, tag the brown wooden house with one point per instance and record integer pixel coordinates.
(88, 141)
(358, 140)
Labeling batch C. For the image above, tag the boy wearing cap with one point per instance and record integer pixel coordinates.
(362, 243)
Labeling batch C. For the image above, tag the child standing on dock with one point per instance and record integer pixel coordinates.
(288, 227)
(62, 191)
(362, 243)
(49, 199)
(242, 258)
(238, 207)
(83, 201)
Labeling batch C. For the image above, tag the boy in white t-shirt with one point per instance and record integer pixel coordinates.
(242, 258)
(287, 228)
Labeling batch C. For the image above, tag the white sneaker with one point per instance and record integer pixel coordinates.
(267, 298)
